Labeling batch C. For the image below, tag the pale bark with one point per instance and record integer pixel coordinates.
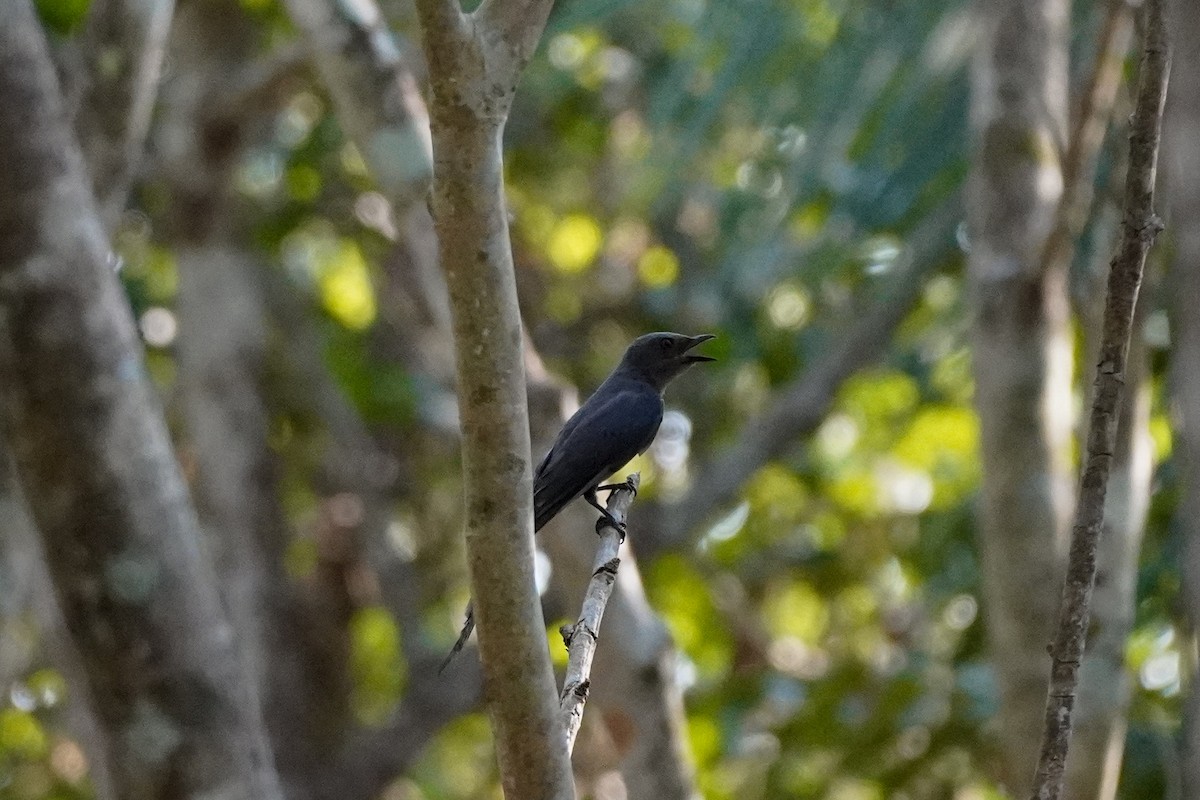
(581, 636)
(96, 463)
(475, 62)
(1139, 227)
(1181, 163)
(1087, 135)
(1022, 352)
(366, 82)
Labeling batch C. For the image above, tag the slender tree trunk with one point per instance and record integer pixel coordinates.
(141, 603)
(1022, 352)
(475, 62)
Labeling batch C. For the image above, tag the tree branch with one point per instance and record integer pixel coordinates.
(581, 637)
(468, 111)
(1139, 228)
(373, 91)
(510, 30)
(446, 33)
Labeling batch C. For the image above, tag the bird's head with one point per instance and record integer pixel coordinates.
(659, 357)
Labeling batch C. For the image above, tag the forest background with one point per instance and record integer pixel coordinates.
(844, 566)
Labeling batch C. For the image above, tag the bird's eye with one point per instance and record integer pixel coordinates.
(666, 344)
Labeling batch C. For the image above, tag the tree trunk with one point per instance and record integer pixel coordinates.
(96, 462)
(296, 643)
(1022, 353)
(475, 62)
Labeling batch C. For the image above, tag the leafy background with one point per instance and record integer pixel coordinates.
(758, 169)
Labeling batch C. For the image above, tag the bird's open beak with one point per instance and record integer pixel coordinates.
(696, 340)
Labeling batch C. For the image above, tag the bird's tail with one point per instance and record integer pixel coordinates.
(468, 626)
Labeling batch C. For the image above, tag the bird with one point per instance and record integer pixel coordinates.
(619, 421)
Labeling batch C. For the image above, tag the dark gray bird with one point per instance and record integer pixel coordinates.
(618, 422)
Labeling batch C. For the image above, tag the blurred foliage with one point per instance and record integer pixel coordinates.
(758, 169)
(62, 16)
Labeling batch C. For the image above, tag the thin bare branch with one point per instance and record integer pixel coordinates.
(581, 637)
(1139, 229)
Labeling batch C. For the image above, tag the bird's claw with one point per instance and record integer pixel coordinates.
(628, 483)
(609, 521)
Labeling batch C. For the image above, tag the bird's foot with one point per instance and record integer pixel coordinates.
(609, 521)
(628, 483)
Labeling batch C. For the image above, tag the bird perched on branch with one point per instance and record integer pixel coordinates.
(619, 421)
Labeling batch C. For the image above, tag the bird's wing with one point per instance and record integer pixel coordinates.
(597, 441)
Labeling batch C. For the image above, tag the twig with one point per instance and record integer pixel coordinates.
(581, 637)
(1139, 228)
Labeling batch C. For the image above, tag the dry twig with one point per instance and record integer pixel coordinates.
(1138, 230)
(581, 637)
